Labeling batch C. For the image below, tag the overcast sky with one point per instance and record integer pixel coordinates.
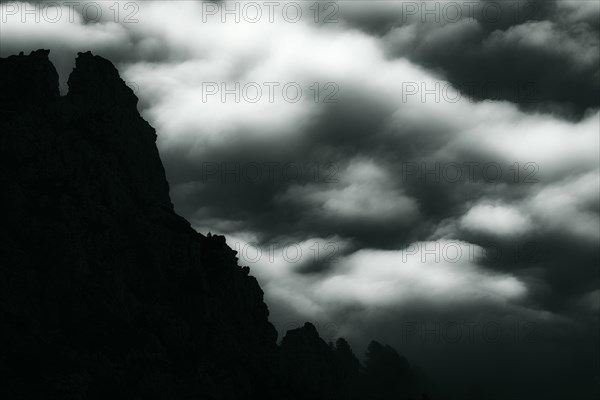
(423, 175)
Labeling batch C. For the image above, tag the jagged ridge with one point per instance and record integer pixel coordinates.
(105, 292)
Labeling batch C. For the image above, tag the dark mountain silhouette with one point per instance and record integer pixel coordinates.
(105, 292)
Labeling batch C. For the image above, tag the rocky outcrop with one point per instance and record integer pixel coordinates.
(320, 371)
(103, 288)
(309, 364)
(105, 292)
(28, 81)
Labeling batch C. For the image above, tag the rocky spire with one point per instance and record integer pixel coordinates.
(28, 80)
(96, 83)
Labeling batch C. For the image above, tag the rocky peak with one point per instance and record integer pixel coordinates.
(306, 335)
(105, 292)
(27, 80)
(96, 82)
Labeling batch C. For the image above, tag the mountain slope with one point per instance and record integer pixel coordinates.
(105, 292)
(103, 287)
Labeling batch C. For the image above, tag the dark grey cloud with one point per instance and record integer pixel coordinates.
(522, 52)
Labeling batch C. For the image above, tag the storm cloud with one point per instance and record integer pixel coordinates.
(385, 169)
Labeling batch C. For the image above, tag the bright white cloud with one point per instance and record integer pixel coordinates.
(437, 274)
(365, 192)
(498, 220)
(440, 272)
(570, 206)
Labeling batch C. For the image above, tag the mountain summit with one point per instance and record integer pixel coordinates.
(105, 292)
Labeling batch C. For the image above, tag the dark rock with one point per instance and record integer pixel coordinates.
(27, 81)
(309, 364)
(105, 292)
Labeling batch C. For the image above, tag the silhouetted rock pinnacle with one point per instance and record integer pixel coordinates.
(105, 292)
(28, 81)
(103, 288)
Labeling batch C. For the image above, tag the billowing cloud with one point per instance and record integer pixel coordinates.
(496, 220)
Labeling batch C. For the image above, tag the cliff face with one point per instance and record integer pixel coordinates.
(103, 288)
(105, 292)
